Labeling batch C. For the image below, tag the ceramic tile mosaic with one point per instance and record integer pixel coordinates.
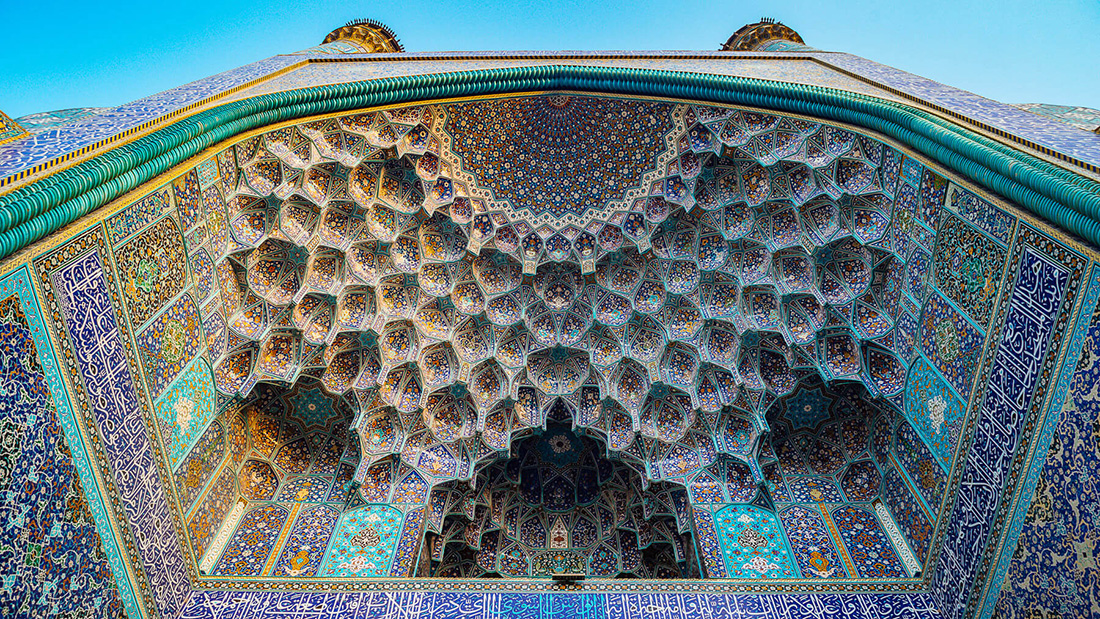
(968, 268)
(919, 463)
(82, 299)
(1046, 277)
(1054, 568)
(935, 410)
(208, 516)
(253, 542)
(284, 457)
(52, 558)
(364, 543)
(138, 215)
(911, 516)
(847, 482)
(153, 269)
(988, 217)
(951, 343)
(1083, 117)
(199, 466)
(534, 180)
(1048, 132)
(813, 547)
(169, 343)
(433, 605)
(867, 544)
(35, 123)
(185, 410)
(53, 142)
(753, 544)
(346, 354)
(304, 548)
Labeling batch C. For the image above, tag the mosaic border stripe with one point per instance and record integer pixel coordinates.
(439, 605)
(963, 547)
(1068, 200)
(991, 590)
(19, 282)
(145, 525)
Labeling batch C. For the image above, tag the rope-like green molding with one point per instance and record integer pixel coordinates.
(1068, 200)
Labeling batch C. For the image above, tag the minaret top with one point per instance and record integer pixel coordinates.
(761, 36)
(372, 36)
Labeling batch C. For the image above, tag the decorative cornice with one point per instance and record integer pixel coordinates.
(9, 129)
(1067, 200)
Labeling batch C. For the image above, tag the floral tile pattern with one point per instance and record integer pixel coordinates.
(1054, 569)
(753, 544)
(364, 542)
(50, 538)
(562, 333)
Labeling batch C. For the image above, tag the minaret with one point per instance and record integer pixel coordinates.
(359, 36)
(766, 35)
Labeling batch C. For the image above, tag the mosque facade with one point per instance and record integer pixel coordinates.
(768, 331)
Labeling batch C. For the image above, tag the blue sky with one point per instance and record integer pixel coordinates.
(105, 54)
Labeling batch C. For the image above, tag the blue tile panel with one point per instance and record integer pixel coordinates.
(41, 121)
(79, 288)
(439, 605)
(53, 142)
(1053, 570)
(51, 558)
(1041, 130)
(1081, 117)
(1033, 323)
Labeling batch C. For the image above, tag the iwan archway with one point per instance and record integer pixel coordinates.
(598, 333)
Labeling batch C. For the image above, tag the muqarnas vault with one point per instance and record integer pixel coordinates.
(351, 332)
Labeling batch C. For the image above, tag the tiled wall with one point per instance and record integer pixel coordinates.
(52, 559)
(1037, 324)
(84, 304)
(480, 605)
(1054, 571)
(120, 305)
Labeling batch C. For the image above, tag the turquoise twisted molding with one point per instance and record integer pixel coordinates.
(1059, 196)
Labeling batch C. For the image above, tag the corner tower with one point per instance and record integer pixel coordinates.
(766, 35)
(360, 36)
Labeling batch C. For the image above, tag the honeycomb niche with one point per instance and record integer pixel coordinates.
(647, 286)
